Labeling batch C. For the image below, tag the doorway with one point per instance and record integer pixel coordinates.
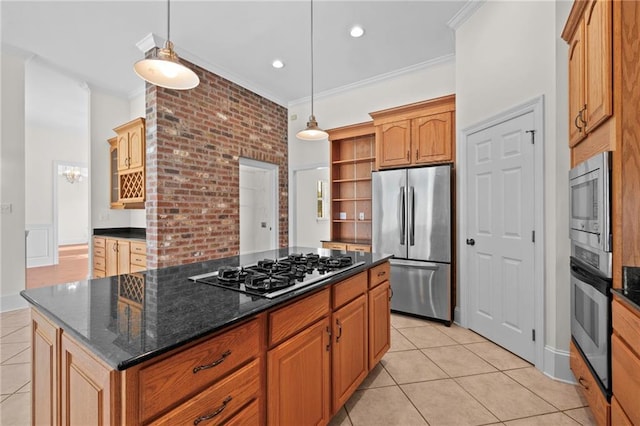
(258, 206)
(311, 214)
(502, 238)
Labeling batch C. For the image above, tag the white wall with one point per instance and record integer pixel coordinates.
(508, 53)
(353, 105)
(12, 243)
(73, 211)
(107, 111)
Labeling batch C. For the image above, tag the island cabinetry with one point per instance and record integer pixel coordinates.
(298, 375)
(625, 361)
(45, 371)
(349, 354)
(596, 399)
(379, 313)
(89, 388)
(416, 134)
(183, 377)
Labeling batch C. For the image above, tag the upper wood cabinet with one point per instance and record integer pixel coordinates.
(127, 157)
(416, 134)
(589, 34)
(131, 142)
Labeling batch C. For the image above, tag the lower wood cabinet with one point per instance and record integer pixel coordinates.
(298, 377)
(625, 361)
(596, 399)
(349, 354)
(618, 416)
(45, 369)
(117, 256)
(88, 387)
(379, 322)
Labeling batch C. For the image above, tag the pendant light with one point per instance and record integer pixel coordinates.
(163, 68)
(312, 132)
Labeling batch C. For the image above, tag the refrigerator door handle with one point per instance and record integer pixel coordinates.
(401, 211)
(416, 264)
(412, 217)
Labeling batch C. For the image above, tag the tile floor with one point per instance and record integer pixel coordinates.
(432, 375)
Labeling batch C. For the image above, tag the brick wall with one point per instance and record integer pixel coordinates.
(194, 140)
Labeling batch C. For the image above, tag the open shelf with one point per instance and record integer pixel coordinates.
(352, 161)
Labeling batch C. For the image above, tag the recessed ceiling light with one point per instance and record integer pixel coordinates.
(356, 31)
(277, 63)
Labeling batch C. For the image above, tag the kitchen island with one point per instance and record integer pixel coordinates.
(157, 348)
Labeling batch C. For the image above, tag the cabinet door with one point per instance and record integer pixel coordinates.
(598, 63)
(379, 322)
(45, 370)
(111, 257)
(136, 147)
(431, 138)
(123, 151)
(298, 378)
(124, 257)
(576, 87)
(349, 362)
(395, 144)
(88, 388)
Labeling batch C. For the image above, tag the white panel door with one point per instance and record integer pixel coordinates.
(500, 223)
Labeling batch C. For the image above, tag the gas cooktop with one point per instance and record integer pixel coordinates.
(271, 278)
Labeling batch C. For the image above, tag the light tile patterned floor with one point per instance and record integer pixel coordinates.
(433, 375)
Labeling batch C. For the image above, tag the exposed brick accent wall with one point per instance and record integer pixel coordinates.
(194, 141)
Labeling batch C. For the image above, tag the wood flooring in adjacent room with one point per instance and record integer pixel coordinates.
(73, 265)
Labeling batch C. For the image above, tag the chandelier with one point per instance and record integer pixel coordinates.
(72, 174)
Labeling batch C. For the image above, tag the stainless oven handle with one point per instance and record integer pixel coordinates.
(602, 285)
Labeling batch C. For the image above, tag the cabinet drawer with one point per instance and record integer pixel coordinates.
(249, 415)
(138, 248)
(359, 247)
(618, 417)
(334, 246)
(626, 324)
(136, 268)
(99, 263)
(597, 402)
(625, 376)
(99, 242)
(292, 318)
(98, 252)
(219, 402)
(175, 378)
(379, 274)
(138, 259)
(349, 289)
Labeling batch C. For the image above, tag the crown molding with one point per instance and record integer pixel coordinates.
(465, 13)
(148, 42)
(376, 79)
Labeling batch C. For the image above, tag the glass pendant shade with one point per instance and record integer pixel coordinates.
(312, 132)
(165, 70)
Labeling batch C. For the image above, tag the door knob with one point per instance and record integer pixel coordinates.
(471, 241)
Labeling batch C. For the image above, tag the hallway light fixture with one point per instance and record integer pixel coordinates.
(312, 132)
(163, 67)
(72, 174)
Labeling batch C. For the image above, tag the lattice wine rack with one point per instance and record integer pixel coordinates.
(132, 185)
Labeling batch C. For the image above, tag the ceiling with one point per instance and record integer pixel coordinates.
(95, 41)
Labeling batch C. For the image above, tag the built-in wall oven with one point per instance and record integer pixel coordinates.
(590, 232)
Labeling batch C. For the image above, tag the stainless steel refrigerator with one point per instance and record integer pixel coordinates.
(411, 219)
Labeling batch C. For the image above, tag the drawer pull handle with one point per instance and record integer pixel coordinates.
(382, 274)
(339, 330)
(213, 364)
(583, 383)
(215, 413)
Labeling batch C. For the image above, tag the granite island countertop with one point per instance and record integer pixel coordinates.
(131, 318)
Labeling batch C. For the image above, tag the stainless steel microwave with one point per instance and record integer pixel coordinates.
(590, 202)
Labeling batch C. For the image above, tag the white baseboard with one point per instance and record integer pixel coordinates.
(11, 302)
(456, 315)
(556, 365)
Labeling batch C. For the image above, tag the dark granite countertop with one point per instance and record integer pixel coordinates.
(128, 233)
(131, 318)
(630, 290)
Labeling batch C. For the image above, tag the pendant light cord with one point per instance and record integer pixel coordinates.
(168, 20)
(311, 57)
